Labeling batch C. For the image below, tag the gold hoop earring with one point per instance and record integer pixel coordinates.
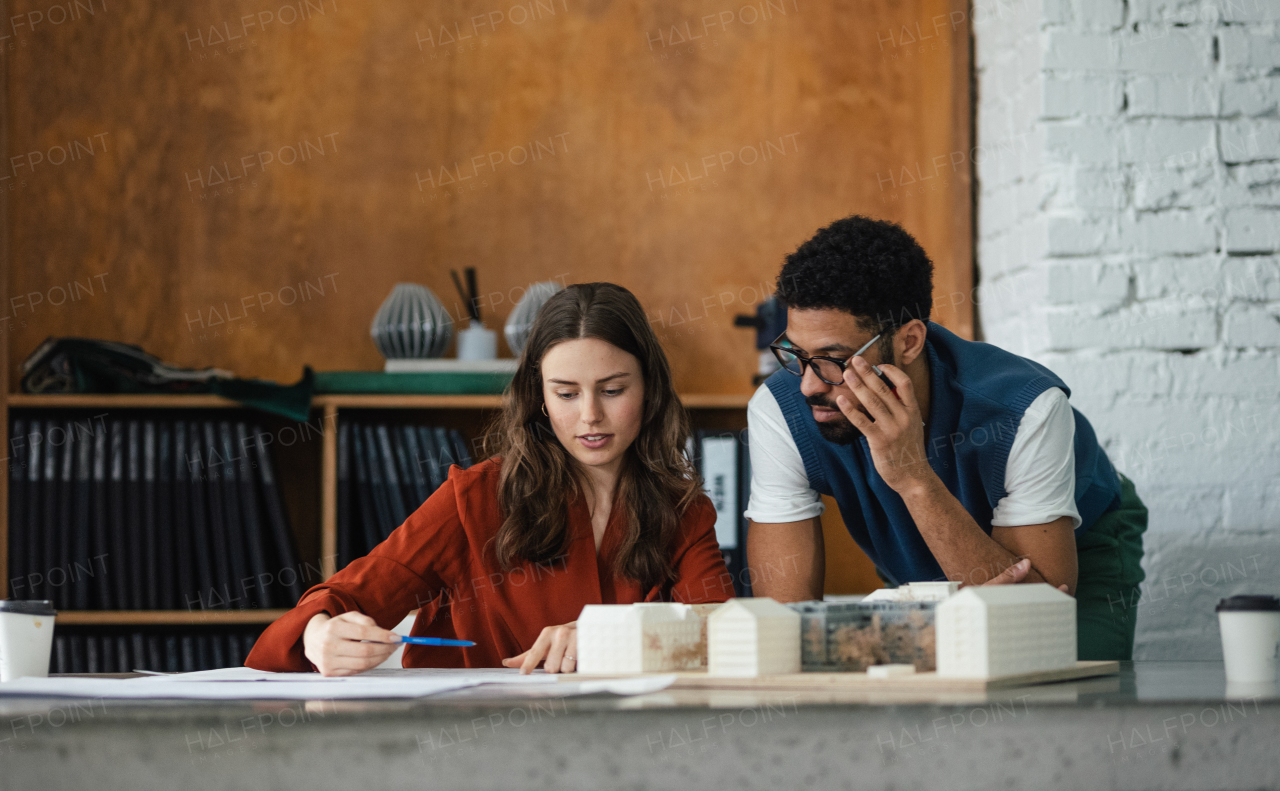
(544, 408)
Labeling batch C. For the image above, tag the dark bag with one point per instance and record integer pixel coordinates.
(87, 365)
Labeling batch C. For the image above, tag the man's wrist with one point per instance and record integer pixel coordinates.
(920, 489)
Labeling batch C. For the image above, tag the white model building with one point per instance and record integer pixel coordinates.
(915, 591)
(999, 630)
(753, 637)
(639, 638)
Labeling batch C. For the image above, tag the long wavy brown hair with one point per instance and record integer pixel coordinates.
(540, 479)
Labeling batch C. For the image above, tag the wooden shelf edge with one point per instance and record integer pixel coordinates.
(165, 617)
(348, 401)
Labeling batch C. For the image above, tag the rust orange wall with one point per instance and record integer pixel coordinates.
(679, 148)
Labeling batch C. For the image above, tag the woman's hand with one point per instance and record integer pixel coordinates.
(558, 645)
(333, 644)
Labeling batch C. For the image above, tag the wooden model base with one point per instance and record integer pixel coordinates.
(916, 682)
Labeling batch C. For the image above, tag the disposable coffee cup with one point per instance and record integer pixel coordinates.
(26, 638)
(1250, 637)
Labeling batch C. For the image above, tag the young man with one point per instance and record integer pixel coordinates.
(949, 459)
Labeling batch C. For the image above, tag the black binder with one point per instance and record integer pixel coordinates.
(61, 548)
(742, 581)
(447, 455)
(150, 553)
(166, 591)
(233, 532)
(61, 660)
(92, 653)
(82, 545)
(138, 654)
(190, 662)
(391, 479)
(46, 541)
(172, 654)
(282, 537)
(134, 528)
(253, 537)
(100, 524)
(377, 483)
(417, 479)
(186, 581)
(370, 513)
(430, 460)
(34, 583)
(408, 494)
(208, 569)
(79, 662)
(16, 585)
(346, 542)
(460, 450)
(122, 570)
(223, 595)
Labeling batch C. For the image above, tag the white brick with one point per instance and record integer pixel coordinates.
(1172, 95)
(1065, 97)
(1097, 189)
(1073, 235)
(1163, 188)
(1251, 325)
(1248, 10)
(1066, 49)
(1252, 185)
(1182, 278)
(1075, 143)
(1251, 508)
(1157, 325)
(1175, 231)
(1071, 283)
(1245, 375)
(1185, 12)
(1162, 49)
(1249, 49)
(1252, 278)
(1105, 14)
(1158, 140)
(1252, 231)
(1250, 141)
(1251, 97)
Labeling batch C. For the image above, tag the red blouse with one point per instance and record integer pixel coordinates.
(441, 562)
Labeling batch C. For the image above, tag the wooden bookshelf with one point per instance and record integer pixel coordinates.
(166, 617)
(712, 410)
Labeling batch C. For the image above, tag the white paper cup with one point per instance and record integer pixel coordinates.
(26, 638)
(1250, 637)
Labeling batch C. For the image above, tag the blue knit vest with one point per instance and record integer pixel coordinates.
(978, 395)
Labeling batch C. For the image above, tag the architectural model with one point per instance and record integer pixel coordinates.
(844, 636)
(915, 591)
(999, 630)
(753, 637)
(639, 638)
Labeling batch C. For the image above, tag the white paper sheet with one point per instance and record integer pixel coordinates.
(156, 688)
(242, 683)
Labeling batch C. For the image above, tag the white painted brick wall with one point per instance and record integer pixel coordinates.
(1130, 240)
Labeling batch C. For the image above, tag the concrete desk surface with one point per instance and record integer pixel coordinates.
(1166, 725)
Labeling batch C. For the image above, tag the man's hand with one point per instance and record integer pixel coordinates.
(334, 644)
(1015, 574)
(557, 645)
(895, 430)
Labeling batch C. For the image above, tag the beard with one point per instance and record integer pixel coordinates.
(839, 431)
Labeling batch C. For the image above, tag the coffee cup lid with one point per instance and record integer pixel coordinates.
(1254, 603)
(28, 606)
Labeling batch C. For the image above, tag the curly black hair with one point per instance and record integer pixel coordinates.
(872, 269)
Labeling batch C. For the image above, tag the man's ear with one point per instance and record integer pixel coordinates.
(908, 341)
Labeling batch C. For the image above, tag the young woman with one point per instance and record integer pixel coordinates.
(588, 499)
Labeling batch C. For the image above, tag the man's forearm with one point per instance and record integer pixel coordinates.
(786, 564)
(965, 553)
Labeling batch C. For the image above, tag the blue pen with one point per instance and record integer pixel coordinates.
(434, 641)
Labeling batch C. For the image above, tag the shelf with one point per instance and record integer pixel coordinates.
(165, 617)
(353, 401)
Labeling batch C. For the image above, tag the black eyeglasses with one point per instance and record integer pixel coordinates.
(828, 369)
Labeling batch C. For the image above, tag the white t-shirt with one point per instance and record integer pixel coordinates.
(1039, 476)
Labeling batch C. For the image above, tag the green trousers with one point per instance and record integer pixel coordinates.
(1110, 569)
